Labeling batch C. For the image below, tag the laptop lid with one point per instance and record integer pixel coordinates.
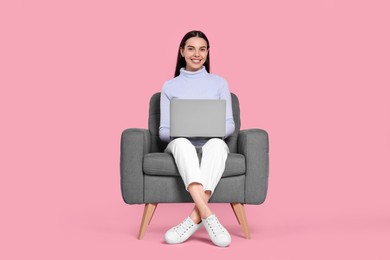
(197, 117)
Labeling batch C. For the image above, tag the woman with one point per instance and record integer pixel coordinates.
(193, 81)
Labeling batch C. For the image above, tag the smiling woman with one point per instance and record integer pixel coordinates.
(193, 81)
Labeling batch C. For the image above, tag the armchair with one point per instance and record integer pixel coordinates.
(149, 176)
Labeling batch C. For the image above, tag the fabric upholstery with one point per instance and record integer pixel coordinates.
(135, 143)
(163, 164)
(150, 176)
(163, 189)
(253, 144)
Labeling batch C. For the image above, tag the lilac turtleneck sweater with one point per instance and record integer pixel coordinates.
(194, 85)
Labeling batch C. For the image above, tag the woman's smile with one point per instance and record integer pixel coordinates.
(196, 60)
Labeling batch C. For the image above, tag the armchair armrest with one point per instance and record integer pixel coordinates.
(253, 144)
(135, 143)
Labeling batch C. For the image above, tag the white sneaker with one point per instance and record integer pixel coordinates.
(218, 234)
(180, 233)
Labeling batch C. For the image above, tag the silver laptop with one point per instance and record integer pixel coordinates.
(197, 118)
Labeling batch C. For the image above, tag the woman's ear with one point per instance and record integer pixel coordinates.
(181, 51)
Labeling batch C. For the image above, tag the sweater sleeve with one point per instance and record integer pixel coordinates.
(164, 116)
(225, 94)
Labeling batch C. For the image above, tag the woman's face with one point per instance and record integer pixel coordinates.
(195, 53)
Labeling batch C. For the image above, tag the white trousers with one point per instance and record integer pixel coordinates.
(212, 165)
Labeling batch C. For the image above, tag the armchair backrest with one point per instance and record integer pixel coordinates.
(154, 124)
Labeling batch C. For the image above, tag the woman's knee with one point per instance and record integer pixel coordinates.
(216, 143)
(180, 143)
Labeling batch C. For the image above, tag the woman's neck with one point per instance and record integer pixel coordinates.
(193, 74)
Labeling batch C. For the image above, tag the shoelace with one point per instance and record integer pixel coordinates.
(215, 226)
(183, 227)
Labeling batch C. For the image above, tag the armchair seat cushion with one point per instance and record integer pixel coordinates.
(163, 164)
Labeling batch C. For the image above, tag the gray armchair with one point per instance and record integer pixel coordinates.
(149, 176)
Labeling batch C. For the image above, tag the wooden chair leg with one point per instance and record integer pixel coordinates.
(146, 218)
(235, 214)
(239, 211)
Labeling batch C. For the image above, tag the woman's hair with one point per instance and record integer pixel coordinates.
(181, 62)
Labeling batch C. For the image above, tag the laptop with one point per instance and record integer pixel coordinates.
(198, 118)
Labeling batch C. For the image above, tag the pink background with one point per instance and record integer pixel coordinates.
(75, 74)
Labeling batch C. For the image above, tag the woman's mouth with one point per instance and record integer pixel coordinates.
(196, 61)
